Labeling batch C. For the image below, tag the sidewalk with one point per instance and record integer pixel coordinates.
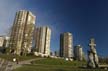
(9, 66)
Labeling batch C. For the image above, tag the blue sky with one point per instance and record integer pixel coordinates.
(83, 18)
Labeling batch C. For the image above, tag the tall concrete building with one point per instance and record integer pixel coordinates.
(43, 36)
(78, 53)
(22, 33)
(66, 45)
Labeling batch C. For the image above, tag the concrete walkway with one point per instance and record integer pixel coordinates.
(9, 66)
(25, 62)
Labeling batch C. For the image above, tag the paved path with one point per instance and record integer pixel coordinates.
(25, 62)
(9, 66)
(5, 65)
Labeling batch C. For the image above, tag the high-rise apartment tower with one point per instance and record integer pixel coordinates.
(22, 33)
(43, 37)
(66, 45)
(78, 53)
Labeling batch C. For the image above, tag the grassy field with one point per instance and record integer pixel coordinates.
(20, 58)
(55, 65)
(61, 62)
(52, 68)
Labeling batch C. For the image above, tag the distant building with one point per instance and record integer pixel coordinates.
(1, 41)
(22, 33)
(6, 42)
(43, 37)
(66, 45)
(78, 52)
(56, 53)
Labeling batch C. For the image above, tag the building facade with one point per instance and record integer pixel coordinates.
(22, 33)
(6, 42)
(78, 53)
(66, 45)
(1, 41)
(43, 37)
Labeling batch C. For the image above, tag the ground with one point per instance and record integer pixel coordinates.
(7, 64)
(20, 58)
(33, 63)
(49, 64)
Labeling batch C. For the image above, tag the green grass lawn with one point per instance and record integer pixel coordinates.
(50, 61)
(49, 64)
(52, 68)
(20, 58)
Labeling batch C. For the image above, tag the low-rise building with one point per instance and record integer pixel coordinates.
(2, 41)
